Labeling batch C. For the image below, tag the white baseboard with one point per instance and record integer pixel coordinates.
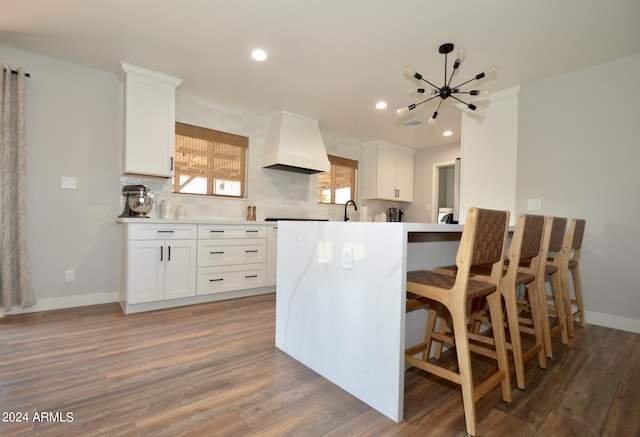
(615, 322)
(57, 303)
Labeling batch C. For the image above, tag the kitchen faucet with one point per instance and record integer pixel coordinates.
(346, 217)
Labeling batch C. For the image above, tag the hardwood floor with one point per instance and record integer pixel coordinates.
(212, 369)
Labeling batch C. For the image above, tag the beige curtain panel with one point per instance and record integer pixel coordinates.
(15, 278)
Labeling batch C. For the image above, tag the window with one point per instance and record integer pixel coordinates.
(338, 184)
(209, 162)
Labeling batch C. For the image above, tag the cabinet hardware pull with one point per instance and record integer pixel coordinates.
(166, 232)
(216, 253)
(171, 164)
(251, 251)
(251, 231)
(161, 252)
(216, 280)
(250, 276)
(169, 253)
(222, 232)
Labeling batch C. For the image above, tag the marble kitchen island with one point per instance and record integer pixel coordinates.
(340, 300)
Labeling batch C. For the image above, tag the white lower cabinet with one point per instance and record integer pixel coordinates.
(231, 258)
(230, 278)
(159, 267)
(193, 262)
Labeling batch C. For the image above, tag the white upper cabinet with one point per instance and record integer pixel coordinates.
(388, 171)
(149, 121)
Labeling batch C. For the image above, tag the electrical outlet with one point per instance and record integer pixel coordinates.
(69, 183)
(69, 276)
(534, 204)
(347, 257)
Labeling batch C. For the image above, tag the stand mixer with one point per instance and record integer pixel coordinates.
(138, 201)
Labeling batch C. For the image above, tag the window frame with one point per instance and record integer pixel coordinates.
(215, 137)
(334, 161)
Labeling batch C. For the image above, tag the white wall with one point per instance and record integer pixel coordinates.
(488, 168)
(73, 129)
(578, 151)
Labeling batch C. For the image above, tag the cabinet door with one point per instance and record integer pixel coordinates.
(180, 269)
(404, 175)
(386, 186)
(149, 126)
(145, 271)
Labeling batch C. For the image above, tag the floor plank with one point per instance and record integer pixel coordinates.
(212, 369)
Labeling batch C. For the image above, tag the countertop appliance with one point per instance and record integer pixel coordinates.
(395, 214)
(138, 201)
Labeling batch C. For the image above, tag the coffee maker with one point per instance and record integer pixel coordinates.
(138, 201)
(395, 214)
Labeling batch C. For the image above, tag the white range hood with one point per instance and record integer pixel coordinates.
(294, 144)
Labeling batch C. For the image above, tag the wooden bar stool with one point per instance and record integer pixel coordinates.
(552, 305)
(525, 245)
(482, 243)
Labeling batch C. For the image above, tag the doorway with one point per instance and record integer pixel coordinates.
(445, 190)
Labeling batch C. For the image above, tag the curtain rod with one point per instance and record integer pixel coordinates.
(16, 72)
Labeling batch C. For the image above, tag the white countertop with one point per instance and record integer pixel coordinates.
(191, 221)
(406, 226)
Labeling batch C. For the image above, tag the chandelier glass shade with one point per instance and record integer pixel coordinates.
(465, 98)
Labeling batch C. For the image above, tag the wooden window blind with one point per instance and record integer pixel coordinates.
(338, 184)
(209, 162)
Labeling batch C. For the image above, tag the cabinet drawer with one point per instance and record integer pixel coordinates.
(226, 231)
(228, 252)
(154, 231)
(230, 278)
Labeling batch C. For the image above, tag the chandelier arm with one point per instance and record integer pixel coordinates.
(425, 101)
(464, 83)
(439, 104)
(460, 100)
(425, 80)
(453, 72)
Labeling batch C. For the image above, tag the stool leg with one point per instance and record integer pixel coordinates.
(432, 315)
(561, 314)
(577, 289)
(566, 301)
(544, 318)
(536, 318)
(458, 316)
(513, 324)
(497, 323)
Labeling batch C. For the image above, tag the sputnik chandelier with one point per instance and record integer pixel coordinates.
(475, 108)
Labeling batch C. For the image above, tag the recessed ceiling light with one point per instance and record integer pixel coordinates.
(259, 55)
(447, 133)
(381, 105)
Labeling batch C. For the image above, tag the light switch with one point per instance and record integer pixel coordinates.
(534, 204)
(347, 257)
(69, 183)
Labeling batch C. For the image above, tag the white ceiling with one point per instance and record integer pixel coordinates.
(330, 60)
